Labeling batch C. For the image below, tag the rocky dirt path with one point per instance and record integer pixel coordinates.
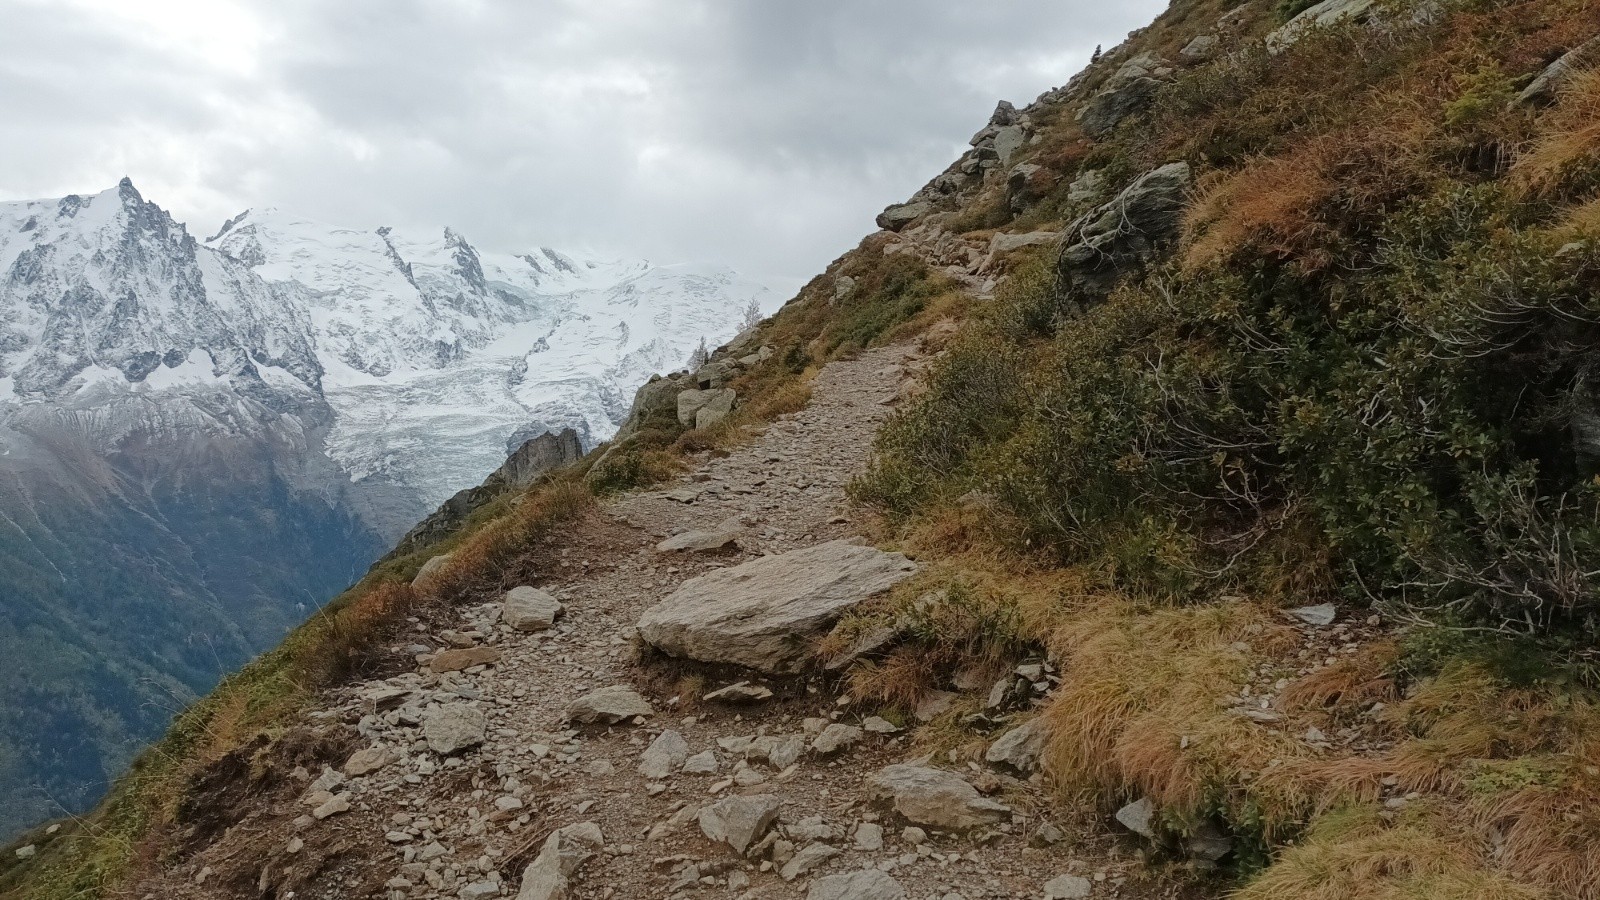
(459, 779)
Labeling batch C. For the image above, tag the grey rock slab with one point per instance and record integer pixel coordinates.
(739, 821)
(1021, 748)
(867, 884)
(530, 609)
(700, 541)
(900, 215)
(1116, 237)
(608, 706)
(364, 762)
(666, 753)
(767, 613)
(453, 727)
(935, 798)
(1320, 615)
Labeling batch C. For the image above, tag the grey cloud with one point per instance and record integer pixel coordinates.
(764, 134)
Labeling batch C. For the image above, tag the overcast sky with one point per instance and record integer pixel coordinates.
(761, 133)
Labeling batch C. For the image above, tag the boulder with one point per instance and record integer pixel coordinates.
(464, 658)
(739, 821)
(902, 214)
(1107, 109)
(1120, 235)
(717, 408)
(1001, 244)
(1547, 83)
(1007, 141)
(608, 706)
(1020, 748)
(534, 457)
(765, 614)
(666, 753)
(690, 403)
(706, 541)
(867, 884)
(935, 798)
(549, 876)
(530, 609)
(429, 570)
(453, 727)
(1202, 48)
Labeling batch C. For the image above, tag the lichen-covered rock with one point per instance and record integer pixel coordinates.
(1122, 234)
(902, 214)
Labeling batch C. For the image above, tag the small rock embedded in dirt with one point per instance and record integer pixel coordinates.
(868, 884)
(1068, 887)
(835, 738)
(27, 852)
(869, 837)
(1020, 748)
(608, 706)
(812, 855)
(739, 821)
(935, 798)
(339, 803)
(549, 876)
(453, 727)
(530, 609)
(1139, 817)
(740, 692)
(1317, 616)
(667, 752)
(459, 660)
(878, 725)
(364, 762)
(700, 541)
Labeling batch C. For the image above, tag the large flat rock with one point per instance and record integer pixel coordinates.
(767, 613)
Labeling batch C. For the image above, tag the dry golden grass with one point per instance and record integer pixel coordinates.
(1356, 855)
(1569, 139)
(482, 560)
(1143, 706)
(1270, 203)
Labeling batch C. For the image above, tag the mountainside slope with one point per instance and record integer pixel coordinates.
(1246, 471)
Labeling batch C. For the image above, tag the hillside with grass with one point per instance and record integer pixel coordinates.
(1257, 399)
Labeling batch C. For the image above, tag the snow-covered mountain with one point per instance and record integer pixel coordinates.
(439, 358)
(202, 441)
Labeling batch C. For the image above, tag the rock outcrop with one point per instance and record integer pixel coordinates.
(1124, 233)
